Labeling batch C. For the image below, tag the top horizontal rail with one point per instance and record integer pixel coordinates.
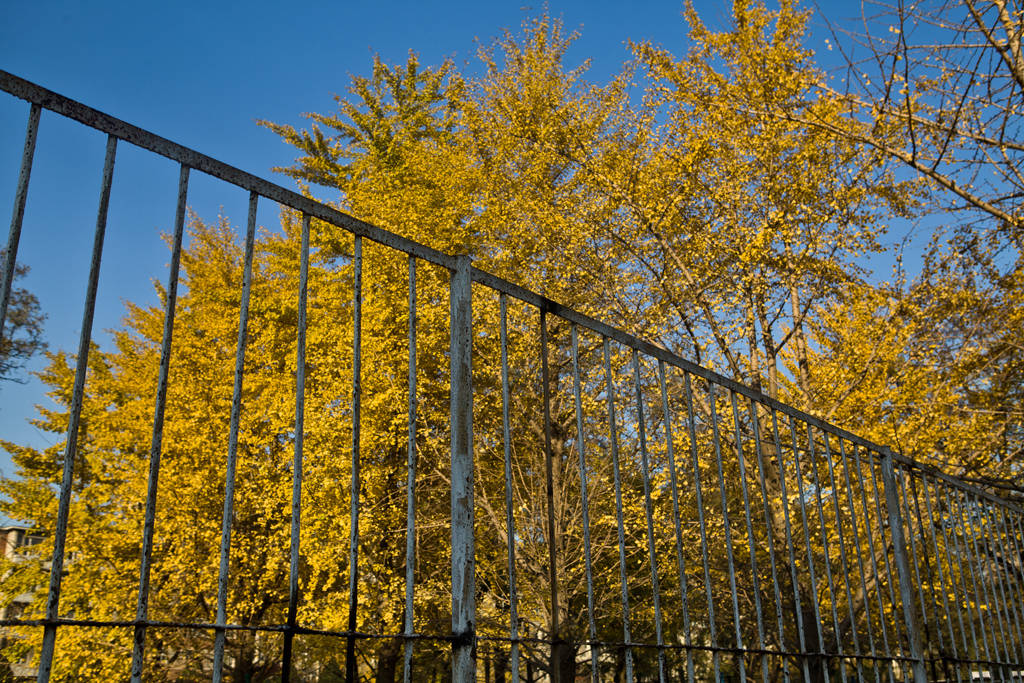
(654, 351)
(139, 137)
(191, 158)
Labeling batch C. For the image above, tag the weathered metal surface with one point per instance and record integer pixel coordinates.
(18, 214)
(300, 404)
(156, 443)
(232, 459)
(74, 417)
(461, 410)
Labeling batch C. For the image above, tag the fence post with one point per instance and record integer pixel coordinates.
(899, 545)
(463, 571)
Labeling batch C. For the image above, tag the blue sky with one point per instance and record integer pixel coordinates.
(201, 74)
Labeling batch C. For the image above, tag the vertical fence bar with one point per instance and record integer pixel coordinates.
(677, 522)
(1004, 588)
(18, 214)
(645, 473)
(74, 417)
(699, 495)
(931, 578)
(613, 440)
(871, 553)
(1011, 523)
(902, 570)
(463, 568)
(410, 485)
(860, 558)
(942, 578)
(716, 441)
(825, 552)
(558, 649)
(883, 521)
(953, 550)
(595, 663)
(988, 591)
(978, 598)
(791, 555)
(1015, 595)
(300, 402)
(770, 529)
(351, 666)
(801, 496)
(845, 568)
(156, 443)
(905, 511)
(750, 535)
(75, 409)
(513, 617)
(229, 475)
(999, 579)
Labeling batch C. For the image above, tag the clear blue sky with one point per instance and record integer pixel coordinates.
(201, 74)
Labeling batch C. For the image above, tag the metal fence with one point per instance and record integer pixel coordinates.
(615, 511)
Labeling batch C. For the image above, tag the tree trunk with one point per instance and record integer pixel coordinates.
(813, 641)
(243, 665)
(501, 667)
(563, 661)
(800, 342)
(388, 655)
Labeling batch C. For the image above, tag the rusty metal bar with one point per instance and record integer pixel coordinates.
(860, 559)
(676, 522)
(656, 352)
(945, 592)
(410, 484)
(868, 528)
(914, 563)
(884, 523)
(510, 530)
(645, 472)
(156, 443)
(613, 441)
(74, 416)
(197, 161)
(845, 567)
(999, 590)
(351, 666)
(802, 497)
(1013, 579)
(964, 598)
(979, 598)
(595, 663)
(463, 558)
(988, 590)
(18, 214)
(770, 531)
(788, 527)
(812, 456)
(699, 496)
(738, 441)
(975, 521)
(716, 441)
(229, 475)
(929, 625)
(555, 632)
(300, 403)
(902, 569)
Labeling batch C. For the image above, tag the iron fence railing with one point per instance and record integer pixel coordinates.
(616, 512)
